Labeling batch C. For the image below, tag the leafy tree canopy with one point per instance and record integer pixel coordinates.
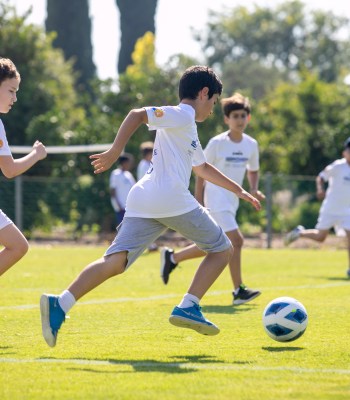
(285, 37)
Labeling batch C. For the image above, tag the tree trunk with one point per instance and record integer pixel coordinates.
(136, 18)
(70, 19)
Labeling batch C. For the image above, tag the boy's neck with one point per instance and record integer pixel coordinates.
(235, 136)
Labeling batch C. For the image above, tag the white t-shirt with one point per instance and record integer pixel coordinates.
(142, 168)
(122, 182)
(4, 146)
(232, 159)
(163, 191)
(337, 200)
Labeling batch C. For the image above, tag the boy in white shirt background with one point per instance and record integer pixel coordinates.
(159, 201)
(120, 183)
(233, 153)
(146, 150)
(15, 245)
(335, 208)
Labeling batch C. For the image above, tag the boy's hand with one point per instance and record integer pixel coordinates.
(40, 150)
(320, 194)
(250, 199)
(103, 161)
(259, 195)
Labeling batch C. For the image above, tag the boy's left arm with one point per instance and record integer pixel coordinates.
(211, 174)
(253, 179)
(103, 161)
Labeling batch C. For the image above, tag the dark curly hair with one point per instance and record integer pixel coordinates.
(8, 70)
(197, 77)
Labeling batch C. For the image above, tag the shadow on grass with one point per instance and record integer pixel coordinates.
(230, 309)
(178, 366)
(338, 278)
(282, 349)
(4, 350)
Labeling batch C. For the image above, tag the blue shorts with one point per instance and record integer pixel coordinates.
(135, 234)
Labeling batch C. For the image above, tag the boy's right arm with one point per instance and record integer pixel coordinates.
(199, 190)
(13, 167)
(103, 161)
(211, 174)
(320, 192)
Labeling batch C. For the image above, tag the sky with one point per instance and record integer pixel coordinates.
(174, 21)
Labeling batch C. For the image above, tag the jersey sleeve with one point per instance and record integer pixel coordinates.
(199, 157)
(167, 117)
(210, 152)
(4, 147)
(253, 162)
(327, 172)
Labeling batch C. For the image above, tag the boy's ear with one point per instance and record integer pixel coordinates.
(203, 93)
(249, 117)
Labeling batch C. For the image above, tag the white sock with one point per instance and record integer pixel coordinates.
(172, 258)
(236, 290)
(66, 300)
(188, 301)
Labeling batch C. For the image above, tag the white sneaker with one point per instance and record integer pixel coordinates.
(293, 235)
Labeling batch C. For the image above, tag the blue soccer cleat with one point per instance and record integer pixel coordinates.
(193, 318)
(52, 317)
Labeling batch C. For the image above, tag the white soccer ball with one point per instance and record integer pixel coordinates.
(285, 319)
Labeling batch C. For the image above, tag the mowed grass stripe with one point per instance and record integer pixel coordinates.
(178, 295)
(209, 367)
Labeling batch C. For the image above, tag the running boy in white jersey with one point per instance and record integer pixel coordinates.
(233, 153)
(166, 203)
(335, 209)
(15, 245)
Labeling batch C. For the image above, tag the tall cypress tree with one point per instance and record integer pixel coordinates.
(71, 21)
(136, 18)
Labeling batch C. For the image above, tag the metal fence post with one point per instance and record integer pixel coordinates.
(268, 193)
(19, 202)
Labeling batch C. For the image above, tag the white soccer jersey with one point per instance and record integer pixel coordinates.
(122, 182)
(142, 168)
(163, 191)
(4, 147)
(337, 200)
(232, 159)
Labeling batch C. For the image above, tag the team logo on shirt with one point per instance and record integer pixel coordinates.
(1, 143)
(194, 144)
(158, 112)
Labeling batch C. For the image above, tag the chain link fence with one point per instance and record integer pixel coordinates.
(73, 208)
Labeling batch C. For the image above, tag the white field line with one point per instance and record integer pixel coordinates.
(178, 296)
(183, 366)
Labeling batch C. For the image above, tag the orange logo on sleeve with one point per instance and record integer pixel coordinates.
(1, 143)
(158, 112)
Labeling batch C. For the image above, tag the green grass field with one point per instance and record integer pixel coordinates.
(118, 343)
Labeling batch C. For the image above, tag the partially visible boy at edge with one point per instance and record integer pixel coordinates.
(232, 152)
(335, 209)
(166, 203)
(15, 245)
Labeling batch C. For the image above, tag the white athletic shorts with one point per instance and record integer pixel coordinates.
(134, 234)
(328, 221)
(226, 219)
(4, 220)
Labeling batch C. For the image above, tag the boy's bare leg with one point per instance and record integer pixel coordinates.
(236, 239)
(348, 240)
(15, 247)
(98, 272)
(54, 308)
(187, 253)
(208, 271)
(319, 235)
